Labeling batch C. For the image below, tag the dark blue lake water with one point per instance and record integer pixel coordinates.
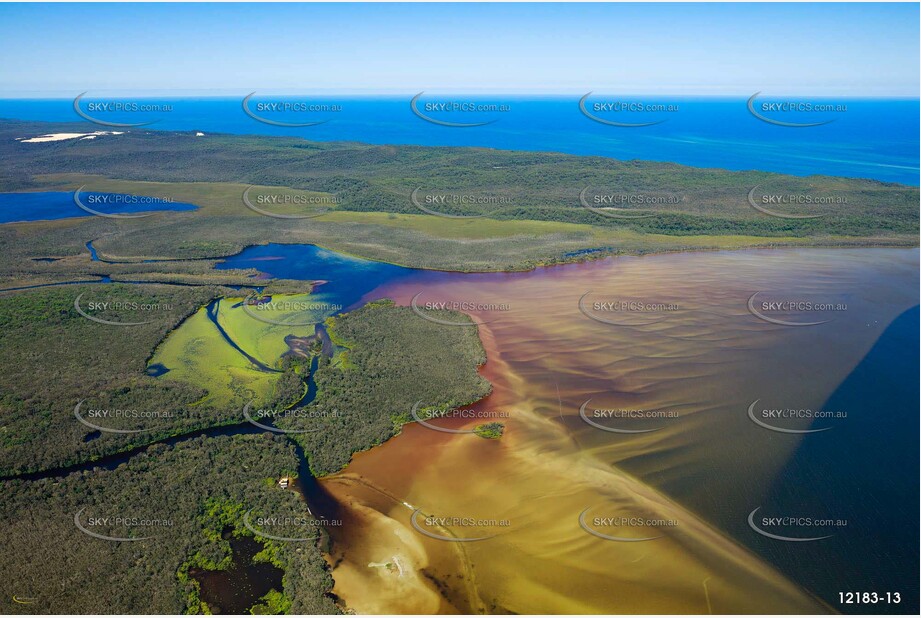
(872, 138)
(45, 205)
(346, 279)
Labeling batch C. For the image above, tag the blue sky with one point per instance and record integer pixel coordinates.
(819, 49)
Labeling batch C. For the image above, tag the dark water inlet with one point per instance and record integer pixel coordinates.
(110, 462)
(236, 589)
(212, 315)
(806, 471)
(346, 279)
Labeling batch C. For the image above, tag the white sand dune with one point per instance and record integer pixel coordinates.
(57, 137)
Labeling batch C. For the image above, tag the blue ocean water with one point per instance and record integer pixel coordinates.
(46, 205)
(864, 475)
(872, 138)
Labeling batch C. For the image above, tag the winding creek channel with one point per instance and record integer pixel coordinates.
(696, 354)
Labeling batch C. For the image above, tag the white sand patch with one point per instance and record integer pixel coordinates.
(57, 137)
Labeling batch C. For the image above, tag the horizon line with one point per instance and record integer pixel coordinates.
(434, 92)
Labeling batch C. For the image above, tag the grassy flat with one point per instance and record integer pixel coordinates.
(196, 353)
(264, 340)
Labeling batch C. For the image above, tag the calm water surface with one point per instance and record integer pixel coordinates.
(874, 138)
(706, 468)
(47, 205)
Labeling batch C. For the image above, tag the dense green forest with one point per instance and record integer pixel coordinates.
(534, 209)
(59, 368)
(392, 360)
(196, 489)
(515, 185)
(54, 358)
(181, 497)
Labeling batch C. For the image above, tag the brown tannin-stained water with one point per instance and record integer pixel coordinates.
(679, 488)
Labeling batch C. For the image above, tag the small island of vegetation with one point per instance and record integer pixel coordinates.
(490, 431)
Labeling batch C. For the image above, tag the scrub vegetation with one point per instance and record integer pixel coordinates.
(78, 384)
(393, 359)
(532, 216)
(181, 497)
